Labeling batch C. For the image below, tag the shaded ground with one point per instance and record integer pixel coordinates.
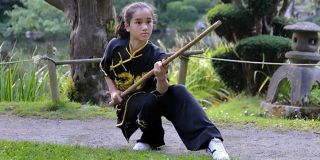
(245, 143)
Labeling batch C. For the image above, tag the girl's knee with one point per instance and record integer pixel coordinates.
(145, 99)
(179, 91)
(178, 88)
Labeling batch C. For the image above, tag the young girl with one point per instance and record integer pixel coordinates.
(126, 59)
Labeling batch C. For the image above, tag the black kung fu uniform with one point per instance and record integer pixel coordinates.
(143, 108)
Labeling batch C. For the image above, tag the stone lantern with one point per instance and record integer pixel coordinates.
(301, 77)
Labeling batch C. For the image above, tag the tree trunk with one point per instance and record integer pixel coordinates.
(257, 28)
(89, 22)
(238, 2)
(284, 7)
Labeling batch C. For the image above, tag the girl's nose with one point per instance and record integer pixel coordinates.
(144, 26)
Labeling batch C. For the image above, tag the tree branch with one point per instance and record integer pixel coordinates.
(56, 3)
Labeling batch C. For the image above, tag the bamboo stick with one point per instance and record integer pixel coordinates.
(169, 59)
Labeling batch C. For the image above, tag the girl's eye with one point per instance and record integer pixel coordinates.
(138, 22)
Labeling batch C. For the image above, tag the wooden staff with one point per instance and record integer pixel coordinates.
(169, 59)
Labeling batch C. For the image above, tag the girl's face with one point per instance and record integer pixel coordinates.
(141, 25)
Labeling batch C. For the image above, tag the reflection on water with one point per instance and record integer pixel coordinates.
(31, 47)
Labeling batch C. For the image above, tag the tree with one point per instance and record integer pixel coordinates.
(90, 22)
(6, 5)
(39, 16)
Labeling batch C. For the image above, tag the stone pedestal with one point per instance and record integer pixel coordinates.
(302, 78)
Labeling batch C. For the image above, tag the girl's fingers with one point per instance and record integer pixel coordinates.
(116, 97)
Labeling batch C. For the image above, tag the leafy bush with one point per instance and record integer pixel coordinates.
(237, 22)
(180, 14)
(315, 96)
(229, 72)
(67, 87)
(249, 77)
(200, 5)
(262, 7)
(262, 48)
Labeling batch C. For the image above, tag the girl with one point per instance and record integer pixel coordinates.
(126, 59)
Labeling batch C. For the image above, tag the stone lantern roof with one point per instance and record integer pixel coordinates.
(303, 26)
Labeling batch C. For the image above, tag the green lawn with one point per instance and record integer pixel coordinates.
(61, 110)
(243, 111)
(237, 112)
(40, 151)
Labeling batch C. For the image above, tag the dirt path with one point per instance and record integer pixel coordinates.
(246, 143)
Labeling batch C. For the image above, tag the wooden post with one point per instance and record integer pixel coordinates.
(183, 70)
(52, 74)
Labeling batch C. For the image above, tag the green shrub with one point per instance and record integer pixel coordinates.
(262, 48)
(315, 96)
(182, 16)
(237, 22)
(201, 5)
(262, 7)
(67, 88)
(250, 77)
(229, 72)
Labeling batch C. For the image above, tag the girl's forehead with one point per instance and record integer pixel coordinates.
(142, 13)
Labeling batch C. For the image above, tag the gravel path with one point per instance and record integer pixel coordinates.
(247, 143)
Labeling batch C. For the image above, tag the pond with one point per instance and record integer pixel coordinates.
(168, 41)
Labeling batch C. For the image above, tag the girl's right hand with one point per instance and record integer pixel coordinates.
(115, 97)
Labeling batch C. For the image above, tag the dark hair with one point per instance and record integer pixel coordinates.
(126, 15)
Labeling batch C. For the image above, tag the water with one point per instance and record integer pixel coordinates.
(30, 47)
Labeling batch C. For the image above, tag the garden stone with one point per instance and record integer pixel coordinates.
(302, 78)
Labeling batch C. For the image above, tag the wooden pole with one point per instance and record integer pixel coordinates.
(171, 58)
(52, 74)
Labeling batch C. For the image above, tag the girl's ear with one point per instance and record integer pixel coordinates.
(127, 27)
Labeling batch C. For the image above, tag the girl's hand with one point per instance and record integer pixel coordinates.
(160, 70)
(115, 97)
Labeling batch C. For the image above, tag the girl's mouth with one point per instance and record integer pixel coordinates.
(145, 34)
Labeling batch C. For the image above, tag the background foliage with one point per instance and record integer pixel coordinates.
(249, 77)
(36, 15)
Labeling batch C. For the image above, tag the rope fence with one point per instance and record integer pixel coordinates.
(36, 59)
(15, 62)
(254, 62)
(181, 75)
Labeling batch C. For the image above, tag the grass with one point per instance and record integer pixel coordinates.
(40, 151)
(237, 112)
(22, 81)
(245, 111)
(60, 110)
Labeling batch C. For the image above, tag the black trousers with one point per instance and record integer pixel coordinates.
(144, 110)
